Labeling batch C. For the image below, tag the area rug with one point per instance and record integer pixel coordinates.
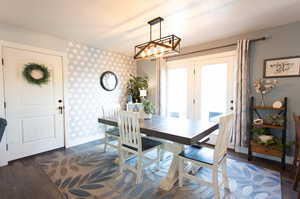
(87, 172)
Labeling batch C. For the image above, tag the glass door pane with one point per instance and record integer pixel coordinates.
(213, 91)
(177, 92)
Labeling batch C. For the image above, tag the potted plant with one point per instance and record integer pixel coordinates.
(149, 109)
(134, 85)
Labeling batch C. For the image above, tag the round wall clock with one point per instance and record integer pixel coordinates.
(109, 81)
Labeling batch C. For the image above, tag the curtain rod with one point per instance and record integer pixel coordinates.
(214, 48)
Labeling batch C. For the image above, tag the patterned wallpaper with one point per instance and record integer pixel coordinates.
(86, 96)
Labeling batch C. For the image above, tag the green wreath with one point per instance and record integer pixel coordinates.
(27, 73)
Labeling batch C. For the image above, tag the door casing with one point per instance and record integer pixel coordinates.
(3, 145)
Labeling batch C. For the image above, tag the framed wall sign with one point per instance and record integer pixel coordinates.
(282, 67)
(109, 81)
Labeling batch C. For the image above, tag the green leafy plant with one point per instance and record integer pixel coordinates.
(275, 119)
(134, 85)
(256, 132)
(274, 143)
(148, 107)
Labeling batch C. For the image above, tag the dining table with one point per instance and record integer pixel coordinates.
(177, 132)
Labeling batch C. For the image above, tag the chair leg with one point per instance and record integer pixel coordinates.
(119, 149)
(296, 179)
(121, 161)
(225, 175)
(296, 155)
(216, 183)
(139, 174)
(158, 158)
(162, 153)
(181, 170)
(105, 142)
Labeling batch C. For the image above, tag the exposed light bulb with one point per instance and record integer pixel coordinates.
(143, 54)
(148, 53)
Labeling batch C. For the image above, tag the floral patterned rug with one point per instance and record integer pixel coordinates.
(87, 172)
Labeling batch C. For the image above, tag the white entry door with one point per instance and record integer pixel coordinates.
(35, 119)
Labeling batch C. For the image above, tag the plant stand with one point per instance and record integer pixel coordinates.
(259, 148)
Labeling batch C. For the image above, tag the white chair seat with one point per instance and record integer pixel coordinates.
(200, 154)
(147, 144)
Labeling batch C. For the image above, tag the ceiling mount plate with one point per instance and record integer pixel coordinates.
(155, 21)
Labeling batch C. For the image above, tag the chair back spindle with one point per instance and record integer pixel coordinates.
(110, 112)
(129, 128)
(225, 128)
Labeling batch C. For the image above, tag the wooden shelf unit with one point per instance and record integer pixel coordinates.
(259, 148)
(266, 108)
(268, 126)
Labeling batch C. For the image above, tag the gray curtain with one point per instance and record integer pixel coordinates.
(241, 94)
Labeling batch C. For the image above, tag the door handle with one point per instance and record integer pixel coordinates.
(61, 109)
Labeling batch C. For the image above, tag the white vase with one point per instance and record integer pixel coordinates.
(147, 116)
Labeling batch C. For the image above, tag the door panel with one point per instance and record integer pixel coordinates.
(179, 89)
(214, 91)
(34, 122)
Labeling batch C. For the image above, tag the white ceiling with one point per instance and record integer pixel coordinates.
(119, 25)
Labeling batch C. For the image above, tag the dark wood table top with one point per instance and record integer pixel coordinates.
(184, 131)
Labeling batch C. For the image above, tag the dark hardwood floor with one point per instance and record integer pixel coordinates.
(23, 179)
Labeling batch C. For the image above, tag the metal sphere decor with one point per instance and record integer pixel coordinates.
(41, 70)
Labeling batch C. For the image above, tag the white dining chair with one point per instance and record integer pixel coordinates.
(213, 159)
(111, 133)
(132, 142)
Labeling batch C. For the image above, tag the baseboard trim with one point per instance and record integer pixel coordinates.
(80, 141)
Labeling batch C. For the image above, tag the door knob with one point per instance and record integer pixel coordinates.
(231, 108)
(61, 109)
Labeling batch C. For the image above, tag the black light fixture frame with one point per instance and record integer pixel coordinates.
(170, 41)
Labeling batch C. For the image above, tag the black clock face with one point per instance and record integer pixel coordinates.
(109, 81)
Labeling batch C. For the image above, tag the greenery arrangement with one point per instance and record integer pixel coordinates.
(148, 107)
(30, 67)
(263, 136)
(275, 119)
(134, 85)
(264, 87)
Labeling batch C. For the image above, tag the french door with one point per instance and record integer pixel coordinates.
(213, 89)
(200, 88)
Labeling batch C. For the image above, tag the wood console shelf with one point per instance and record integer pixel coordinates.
(268, 126)
(267, 108)
(262, 149)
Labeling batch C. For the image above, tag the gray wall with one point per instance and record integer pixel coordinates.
(283, 41)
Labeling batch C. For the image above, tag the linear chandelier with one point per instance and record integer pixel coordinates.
(163, 46)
